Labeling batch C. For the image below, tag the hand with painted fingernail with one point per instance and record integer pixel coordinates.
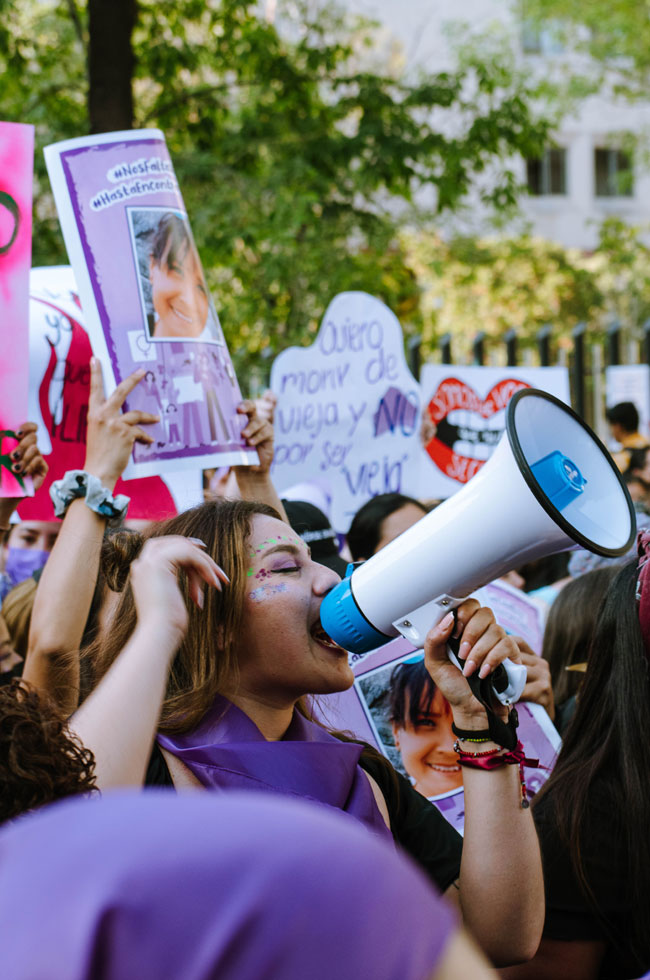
(154, 579)
(483, 646)
(26, 460)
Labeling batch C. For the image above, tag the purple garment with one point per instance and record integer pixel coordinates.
(154, 886)
(21, 563)
(228, 751)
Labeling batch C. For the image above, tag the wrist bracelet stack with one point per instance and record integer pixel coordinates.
(76, 484)
(496, 759)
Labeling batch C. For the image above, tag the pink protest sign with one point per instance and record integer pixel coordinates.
(145, 299)
(16, 177)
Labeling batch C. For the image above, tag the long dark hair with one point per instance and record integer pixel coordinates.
(606, 751)
(365, 530)
(570, 627)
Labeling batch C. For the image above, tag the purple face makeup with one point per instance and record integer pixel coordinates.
(266, 591)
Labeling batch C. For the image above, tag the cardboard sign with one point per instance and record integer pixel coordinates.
(464, 417)
(348, 409)
(630, 383)
(59, 385)
(425, 754)
(144, 296)
(16, 178)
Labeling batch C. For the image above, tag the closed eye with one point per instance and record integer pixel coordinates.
(282, 571)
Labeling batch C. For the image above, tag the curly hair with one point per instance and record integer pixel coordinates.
(40, 759)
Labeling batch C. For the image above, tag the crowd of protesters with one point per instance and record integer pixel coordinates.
(136, 665)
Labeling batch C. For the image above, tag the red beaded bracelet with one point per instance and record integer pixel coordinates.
(496, 759)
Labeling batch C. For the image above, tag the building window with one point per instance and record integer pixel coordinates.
(614, 174)
(547, 174)
(538, 39)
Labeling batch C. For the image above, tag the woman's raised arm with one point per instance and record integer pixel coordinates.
(501, 885)
(66, 587)
(118, 720)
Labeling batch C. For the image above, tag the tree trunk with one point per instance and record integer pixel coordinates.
(110, 64)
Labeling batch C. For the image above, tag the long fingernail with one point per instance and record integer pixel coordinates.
(93, 362)
(198, 541)
(469, 668)
(485, 670)
(464, 650)
(200, 600)
(445, 623)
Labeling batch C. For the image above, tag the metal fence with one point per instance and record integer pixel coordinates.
(585, 358)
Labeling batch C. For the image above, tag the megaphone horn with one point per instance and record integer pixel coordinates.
(549, 486)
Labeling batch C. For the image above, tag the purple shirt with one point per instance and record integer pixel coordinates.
(228, 751)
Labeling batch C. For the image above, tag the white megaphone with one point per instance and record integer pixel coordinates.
(549, 486)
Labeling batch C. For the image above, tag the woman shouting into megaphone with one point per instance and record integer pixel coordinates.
(229, 674)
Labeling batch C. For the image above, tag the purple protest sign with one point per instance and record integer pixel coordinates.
(145, 298)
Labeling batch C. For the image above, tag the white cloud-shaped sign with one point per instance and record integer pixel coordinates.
(348, 410)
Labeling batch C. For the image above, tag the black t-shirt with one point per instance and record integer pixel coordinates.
(569, 913)
(417, 825)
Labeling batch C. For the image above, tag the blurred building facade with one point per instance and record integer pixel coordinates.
(588, 173)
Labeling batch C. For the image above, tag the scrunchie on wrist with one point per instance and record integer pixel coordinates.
(76, 484)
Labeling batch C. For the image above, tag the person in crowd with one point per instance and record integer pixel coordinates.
(243, 893)
(41, 760)
(179, 295)
(235, 710)
(569, 633)
(17, 613)
(11, 664)
(421, 721)
(593, 813)
(623, 420)
(315, 530)
(379, 521)
(26, 545)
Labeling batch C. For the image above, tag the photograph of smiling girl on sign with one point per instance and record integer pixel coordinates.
(173, 292)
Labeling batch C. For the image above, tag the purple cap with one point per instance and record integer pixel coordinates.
(205, 885)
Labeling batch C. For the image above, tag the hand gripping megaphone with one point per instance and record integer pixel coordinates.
(549, 486)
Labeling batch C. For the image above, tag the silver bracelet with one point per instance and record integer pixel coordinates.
(78, 483)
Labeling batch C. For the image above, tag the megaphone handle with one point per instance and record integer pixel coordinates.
(506, 681)
(484, 691)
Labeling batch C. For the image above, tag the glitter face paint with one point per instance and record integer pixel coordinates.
(266, 591)
(270, 541)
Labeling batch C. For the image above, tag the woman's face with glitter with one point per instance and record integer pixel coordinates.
(427, 748)
(282, 651)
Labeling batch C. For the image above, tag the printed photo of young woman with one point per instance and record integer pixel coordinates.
(174, 295)
(412, 721)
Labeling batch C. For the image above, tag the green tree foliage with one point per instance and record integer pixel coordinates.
(491, 285)
(298, 159)
(614, 33)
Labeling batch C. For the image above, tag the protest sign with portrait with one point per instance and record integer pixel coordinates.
(16, 177)
(395, 706)
(145, 297)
